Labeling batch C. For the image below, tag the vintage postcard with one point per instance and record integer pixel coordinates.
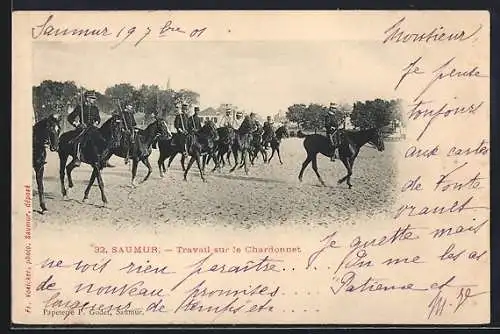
(257, 167)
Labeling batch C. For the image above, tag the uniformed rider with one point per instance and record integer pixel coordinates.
(128, 114)
(268, 131)
(227, 120)
(88, 120)
(194, 122)
(332, 130)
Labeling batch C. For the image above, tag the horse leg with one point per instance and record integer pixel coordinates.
(315, 168)
(161, 163)
(135, 162)
(101, 186)
(190, 163)
(172, 156)
(89, 186)
(272, 155)
(245, 161)
(69, 169)
(145, 161)
(39, 182)
(199, 163)
(304, 165)
(183, 162)
(264, 154)
(348, 165)
(279, 155)
(63, 158)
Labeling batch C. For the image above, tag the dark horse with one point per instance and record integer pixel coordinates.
(349, 148)
(169, 148)
(256, 146)
(141, 148)
(242, 144)
(225, 144)
(223, 147)
(280, 133)
(201, 143)
(45, 132)
(97, 147)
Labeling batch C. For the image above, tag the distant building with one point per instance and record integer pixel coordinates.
(214, 115)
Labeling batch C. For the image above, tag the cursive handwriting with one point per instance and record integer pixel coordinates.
(80, 266)
(46, 29)
(56, 301)
(445, 183)
(50, 30)
(329, 243)
(264, 264)
(395, 34)
(145, 269)
(446, 71)
(133, 290)
(424, 110)
(456, 207)
(459, 229)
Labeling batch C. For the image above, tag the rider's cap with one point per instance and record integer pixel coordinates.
(196, 108)
(268, 117)
(90, 95)
(239, 113)
(252, 114)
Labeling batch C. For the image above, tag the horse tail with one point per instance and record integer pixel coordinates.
(301, 134)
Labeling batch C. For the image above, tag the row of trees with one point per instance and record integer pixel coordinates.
(54, 96)
(362, 115)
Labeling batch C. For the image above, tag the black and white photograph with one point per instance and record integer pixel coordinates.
(228, 133)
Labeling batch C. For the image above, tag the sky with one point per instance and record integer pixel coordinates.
(263, 77)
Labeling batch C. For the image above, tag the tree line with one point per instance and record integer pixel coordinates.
(53, 96)
(378, 113)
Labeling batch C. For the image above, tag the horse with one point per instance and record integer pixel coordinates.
(280, 133)
(97, 147)
(242, 144)
(349, 148)
(225, 144)
(201, 143)
(169, 148)
(45, 132)
(257, 146)
(141, 148)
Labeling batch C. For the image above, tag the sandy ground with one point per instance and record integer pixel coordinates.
(270, 194)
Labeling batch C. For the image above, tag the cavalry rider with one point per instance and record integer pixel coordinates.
(249, 125)
(238, 120)
(128, 114)
(89, 119)
(268, 131)
(194, 122)
(181, 122)
(332, 130)
(227, 120)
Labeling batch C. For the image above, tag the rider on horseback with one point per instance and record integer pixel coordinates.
(194, 122)
(89, 118)
(227, 120)
(181, 123)
(332, 130)
(128, 114)
(268, 132)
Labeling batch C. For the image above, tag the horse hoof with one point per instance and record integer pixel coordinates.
(105, 204)
(84, 200)
(65, 198)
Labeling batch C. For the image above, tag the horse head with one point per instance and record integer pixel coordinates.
(282, 131)
(376, 139)
(210, 130)
(161, 129)
(113, 130)
(53, 128)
